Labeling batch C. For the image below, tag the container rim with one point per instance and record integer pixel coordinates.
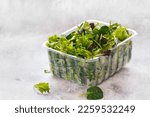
(134, 33)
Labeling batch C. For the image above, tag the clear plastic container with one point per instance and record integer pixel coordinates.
(90, 71)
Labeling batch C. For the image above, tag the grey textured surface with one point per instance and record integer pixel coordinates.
(26, 24)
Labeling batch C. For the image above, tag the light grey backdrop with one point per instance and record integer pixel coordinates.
(26, 24)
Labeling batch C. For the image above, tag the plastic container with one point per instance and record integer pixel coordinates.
(90, 71)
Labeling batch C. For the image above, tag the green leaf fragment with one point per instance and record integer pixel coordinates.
(104, 30)
(94, 93)
(43, 87)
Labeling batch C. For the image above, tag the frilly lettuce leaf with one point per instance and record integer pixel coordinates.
(43, 87)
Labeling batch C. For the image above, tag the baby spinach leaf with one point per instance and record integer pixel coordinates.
(94, 93)
(104, 30)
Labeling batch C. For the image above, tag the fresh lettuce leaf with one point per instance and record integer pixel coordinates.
(43, 87)
(121, 33)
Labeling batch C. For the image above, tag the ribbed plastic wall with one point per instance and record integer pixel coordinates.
(92, 71)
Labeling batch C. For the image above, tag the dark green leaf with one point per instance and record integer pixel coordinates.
(104, 30)
(94, 93)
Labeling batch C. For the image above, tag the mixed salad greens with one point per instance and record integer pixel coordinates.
(90, 40)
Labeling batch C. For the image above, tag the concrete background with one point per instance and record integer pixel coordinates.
(26, 24)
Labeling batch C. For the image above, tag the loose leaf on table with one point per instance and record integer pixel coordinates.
(94, 93)
(43, 87)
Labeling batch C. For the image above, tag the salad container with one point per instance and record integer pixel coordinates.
(90, 71)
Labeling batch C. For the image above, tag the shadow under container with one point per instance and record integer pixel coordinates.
(90, 71)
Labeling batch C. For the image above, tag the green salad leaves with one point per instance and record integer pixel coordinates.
(89, 39)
